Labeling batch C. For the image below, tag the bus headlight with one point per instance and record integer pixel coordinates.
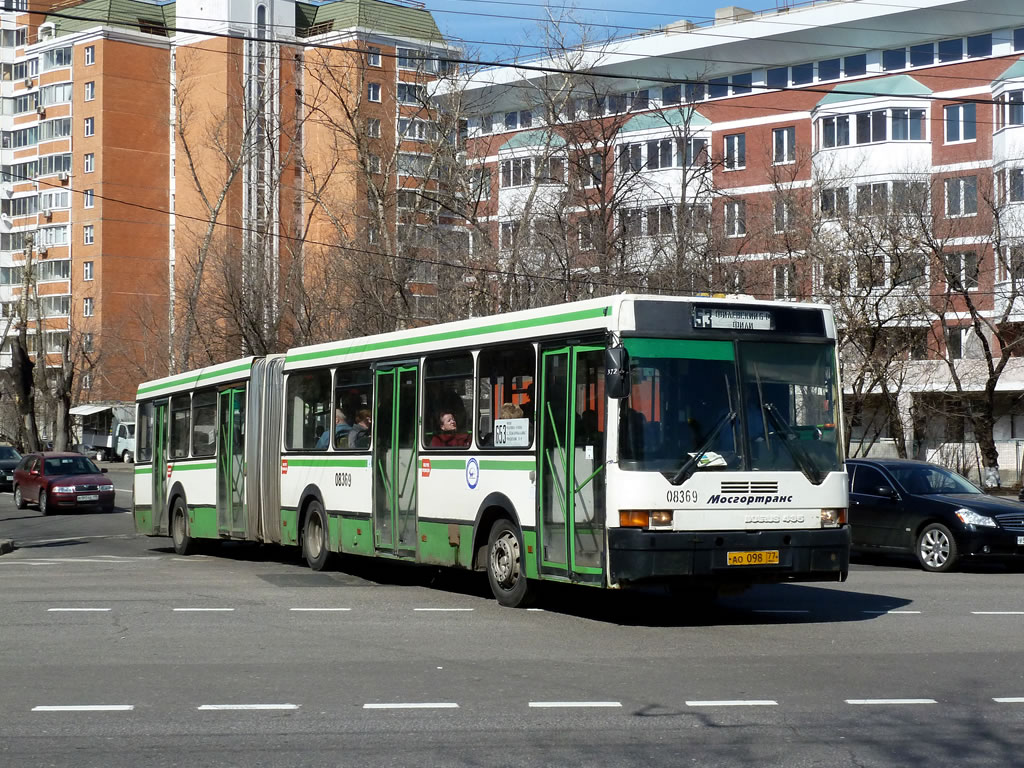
(644, 518)
(833, 518)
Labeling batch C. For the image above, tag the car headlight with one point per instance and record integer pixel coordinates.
(105, 487)
(970, 517)
(63, 489)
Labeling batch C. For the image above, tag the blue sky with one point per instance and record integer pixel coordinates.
(497, 30)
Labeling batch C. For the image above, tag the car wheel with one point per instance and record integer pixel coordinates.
(19, 500)
(314, 537)
(126, 457)
(505, 571)
(936, 548)
(42, 503)
(183, 543)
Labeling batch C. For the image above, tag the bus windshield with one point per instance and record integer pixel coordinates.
(700, 405)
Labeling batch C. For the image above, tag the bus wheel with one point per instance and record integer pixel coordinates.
(505, 570)
(314, 537)
(183, 543)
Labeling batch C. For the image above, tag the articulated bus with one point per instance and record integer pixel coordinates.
(688, 443)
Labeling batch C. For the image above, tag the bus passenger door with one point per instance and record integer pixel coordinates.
(160, 521)
(395, 460)
(231, 462)
(572, 455)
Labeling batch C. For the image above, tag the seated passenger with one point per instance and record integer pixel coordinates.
(449, 436)
(341, 428)
(359, 434)
(510, 411)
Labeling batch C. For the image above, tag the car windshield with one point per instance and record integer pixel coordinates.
(922, 480)
(70, 465)
(6, 452)
(751, 405)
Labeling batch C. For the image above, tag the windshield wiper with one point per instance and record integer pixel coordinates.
(792, 447)
(690, 465)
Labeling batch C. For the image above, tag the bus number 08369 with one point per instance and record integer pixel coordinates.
(343, 479)
(681, 497)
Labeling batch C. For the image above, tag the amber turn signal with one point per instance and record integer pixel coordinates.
(634, 518)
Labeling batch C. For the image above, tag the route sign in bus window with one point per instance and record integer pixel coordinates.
(506, 395)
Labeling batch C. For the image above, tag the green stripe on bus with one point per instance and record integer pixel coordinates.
(195, 379)
(521, 466)
(684, 348)
(143, 470)
(185, 467)
(447, 463)
(326, 462)
(567, 317)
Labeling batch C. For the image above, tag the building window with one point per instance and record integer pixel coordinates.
(373, 92)
(87, 270)
(86, 380)
(89, 198)
(835, 202)
(872, 198)
(631, 222)
(508, 233)
(785, 213)
(87, 307)
(87, 342)
(736, 151)
(659, 220)
(778, 77)
(855, 66)
(90, 55)
(374, 163)
(89, 162)
(1011, 108)
(909, 269)
(741, 84)
(871, 126)
(962, 271)
(1015, 185)
(631, 158)
(90, 90)
(785, 281)
(835, 131)
(660, 154)
(735, 218)
(517, 172)
(670, 94)
(410, 93)
(88, 233)
(696, 150)
(951, 50)
(960, 123)
(784, 145)
(962, 196)
(1013, 268)
(90, 126)
(908, 125)
(894, 59)
(979, 45)
(373, 56)
(592, 172)
(373, 128)
(909, 196)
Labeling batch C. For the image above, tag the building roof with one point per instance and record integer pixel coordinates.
(895, 85)
(1015, 70)
(145, 16)
(540, 138)
(388, 18)
(672, 118)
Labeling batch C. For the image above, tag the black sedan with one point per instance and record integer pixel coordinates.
(9, 459)
(898, 505)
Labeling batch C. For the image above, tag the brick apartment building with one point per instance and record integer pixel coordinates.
(856, 153)
(165, 165)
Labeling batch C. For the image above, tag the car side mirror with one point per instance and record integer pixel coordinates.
(886, 491)
(34, 472)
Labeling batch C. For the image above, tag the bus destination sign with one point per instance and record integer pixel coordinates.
(732, 319)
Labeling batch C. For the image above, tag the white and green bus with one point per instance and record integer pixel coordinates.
(616, 442)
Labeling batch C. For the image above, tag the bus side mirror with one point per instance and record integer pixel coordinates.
(616, 372)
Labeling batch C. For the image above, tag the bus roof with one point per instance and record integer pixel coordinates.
(232, 370)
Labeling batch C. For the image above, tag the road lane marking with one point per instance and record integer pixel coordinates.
(197, 610)
(572, 704)
(413, 706)
(998, 613)
(734, 703)
(77, 610)
(912, 613)
(443, 610)
(309, 610)
(1010, 700)
(86, 708)
(891, 701)
(219, 707)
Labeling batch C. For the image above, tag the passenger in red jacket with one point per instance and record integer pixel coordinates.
(449, 436)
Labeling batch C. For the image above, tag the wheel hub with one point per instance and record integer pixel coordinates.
(505, 560)
(934, 548)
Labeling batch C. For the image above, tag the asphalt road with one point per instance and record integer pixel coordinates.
(116, 652)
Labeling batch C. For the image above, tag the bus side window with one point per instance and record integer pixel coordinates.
(448, 389)
(204, 423)
(144, 429)
(307, 408)
(505, 409)
(353, 394)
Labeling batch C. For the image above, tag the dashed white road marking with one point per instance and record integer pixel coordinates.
(77, 610)
(316, 610)
(573, 704)
(1009, 700)
(891, 701)
(413, 706)
(218, 707)
(86, 708)
(998, 613)
(444, 610)
(201, 610)
(734, 703)
(878, 613)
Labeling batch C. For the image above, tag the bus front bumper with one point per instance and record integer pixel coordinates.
(803, 555)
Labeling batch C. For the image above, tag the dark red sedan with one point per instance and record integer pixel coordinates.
(62, 481)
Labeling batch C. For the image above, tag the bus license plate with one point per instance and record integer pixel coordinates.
(89, 497)
(765, 557)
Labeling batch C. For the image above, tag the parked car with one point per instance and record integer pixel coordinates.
(899, 505)
(62, 481)
(9, 459)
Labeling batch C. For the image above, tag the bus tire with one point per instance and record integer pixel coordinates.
(184, 544)
(506, 572)
(315, 546)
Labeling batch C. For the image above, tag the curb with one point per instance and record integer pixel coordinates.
(6, 545)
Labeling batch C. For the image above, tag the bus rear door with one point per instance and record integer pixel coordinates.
(395, 460)
(231, 462)
(160, 522)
